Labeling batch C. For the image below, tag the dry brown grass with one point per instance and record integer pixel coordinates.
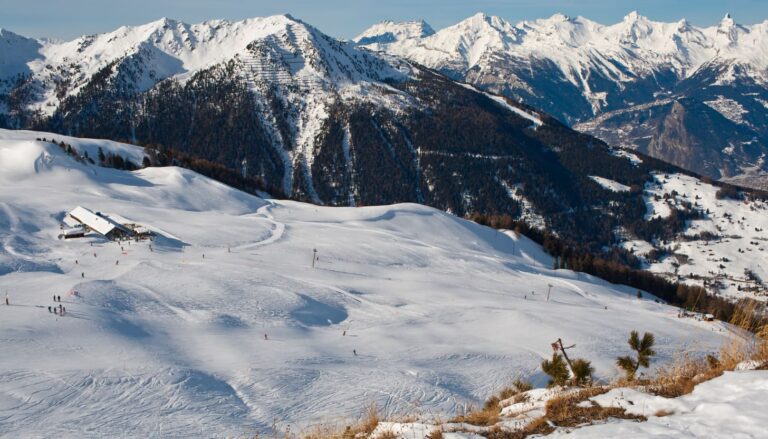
(565, 411)
(436, 434)
(487, 416)
(682, 376)
(387, 435)
(364, 427)
(491, 411)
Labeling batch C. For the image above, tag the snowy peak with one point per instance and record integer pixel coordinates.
(15, 52)
(640, 45)
(389, 32)
(169, 48)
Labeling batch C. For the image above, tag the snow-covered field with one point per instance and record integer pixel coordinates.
(224, 328)
(731, 237)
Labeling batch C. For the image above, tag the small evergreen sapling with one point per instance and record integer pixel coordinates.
(582, 372)
(644, 350)
(556, 369)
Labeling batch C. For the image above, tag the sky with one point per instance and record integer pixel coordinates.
(346, 18)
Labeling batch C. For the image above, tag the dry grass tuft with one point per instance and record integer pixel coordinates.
(662, 413)
(387, 435)
(486, 417)
(565, 411)
(370, 421)
(491, 411)
(362, 428)
(436, 434)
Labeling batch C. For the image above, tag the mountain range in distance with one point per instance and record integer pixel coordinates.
(692, 96)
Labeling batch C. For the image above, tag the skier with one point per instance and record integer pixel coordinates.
(354, 351)
(54, 297)
(76, 263)
(344, 333)
(59, 298)
(6, 299)
(49, 309)
(82, 274)
(117, 262)
(94, 254)
(55, 311)
(265, 336)
(61, 309)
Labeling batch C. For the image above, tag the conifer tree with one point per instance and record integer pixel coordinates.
(582, 372)
(644, 350)
(556, 369)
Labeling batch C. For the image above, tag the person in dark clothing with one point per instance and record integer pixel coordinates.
(354, 351)
(54, 297)
(59, 298)
(82, 274)
(49, 308)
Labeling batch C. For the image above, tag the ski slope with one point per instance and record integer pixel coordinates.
(407, 307)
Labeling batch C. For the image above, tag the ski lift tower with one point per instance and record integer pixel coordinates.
(244, 167)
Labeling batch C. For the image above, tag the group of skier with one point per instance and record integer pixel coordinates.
(58, 310)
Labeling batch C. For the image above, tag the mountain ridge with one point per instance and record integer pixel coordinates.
(580, 71)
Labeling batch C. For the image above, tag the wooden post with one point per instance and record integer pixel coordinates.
(565, 355)
(549, 291)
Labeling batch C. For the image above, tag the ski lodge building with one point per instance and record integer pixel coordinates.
(82, 221)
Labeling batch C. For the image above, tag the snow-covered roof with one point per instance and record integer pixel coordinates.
(90, 219)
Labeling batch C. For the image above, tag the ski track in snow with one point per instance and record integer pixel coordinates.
(170, 341)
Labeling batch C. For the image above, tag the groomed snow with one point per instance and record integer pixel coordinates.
(407, 307)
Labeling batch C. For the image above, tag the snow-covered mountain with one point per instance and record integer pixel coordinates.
(293, 68)
(389, 32)
(625, 82)
(221, 325)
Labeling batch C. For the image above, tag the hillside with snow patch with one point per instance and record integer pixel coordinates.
(223, 326)
(723, 247)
